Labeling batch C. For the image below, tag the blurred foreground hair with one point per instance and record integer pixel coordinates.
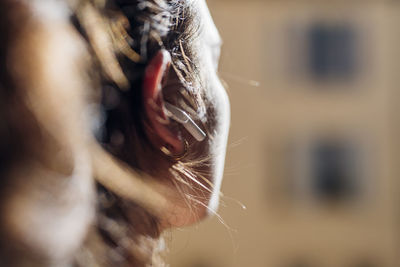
(48, 102)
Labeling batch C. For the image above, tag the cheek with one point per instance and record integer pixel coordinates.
(219, 141)
(218, 138)
(205, 184)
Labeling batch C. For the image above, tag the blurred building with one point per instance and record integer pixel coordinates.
(315, 146)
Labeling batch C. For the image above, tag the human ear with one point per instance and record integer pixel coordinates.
(159, 130)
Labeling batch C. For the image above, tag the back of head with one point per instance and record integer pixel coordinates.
(95, 166)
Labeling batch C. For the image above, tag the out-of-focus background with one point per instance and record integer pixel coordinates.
(314, 141)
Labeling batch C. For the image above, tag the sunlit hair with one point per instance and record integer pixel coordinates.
(121, 37)
(125, 231)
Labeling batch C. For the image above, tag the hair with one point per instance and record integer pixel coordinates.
(124, 232)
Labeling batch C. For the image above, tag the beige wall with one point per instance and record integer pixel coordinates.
(276, 229)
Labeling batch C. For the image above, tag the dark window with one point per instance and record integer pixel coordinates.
(333, 171)
(300, 263)
(332, 51)
(367, 263)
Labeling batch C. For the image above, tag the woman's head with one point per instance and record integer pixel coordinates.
(178, 48)
(132, 58)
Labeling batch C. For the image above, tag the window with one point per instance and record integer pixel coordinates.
(331, 51)
(333, 170)
(367, 263)
(327, 170)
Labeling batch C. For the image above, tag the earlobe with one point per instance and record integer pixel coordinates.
(160, 132)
